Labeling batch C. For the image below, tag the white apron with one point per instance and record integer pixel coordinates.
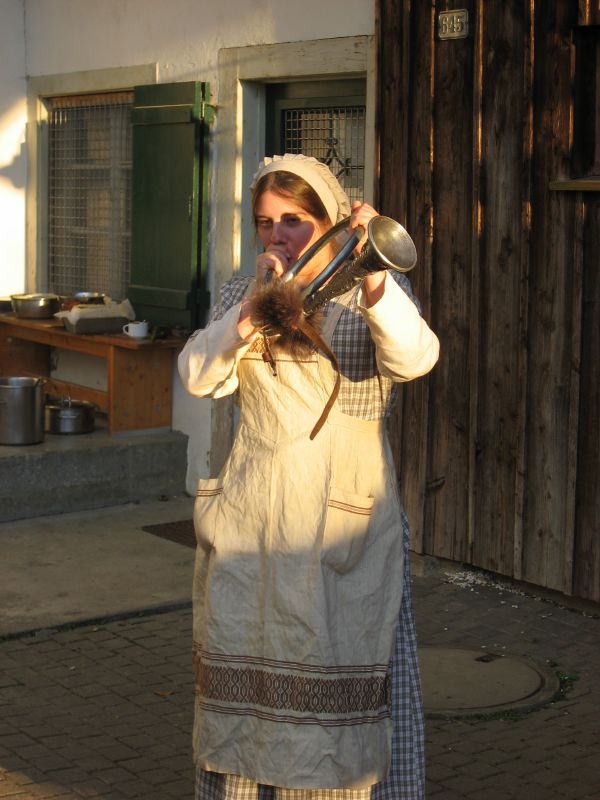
(297, 588)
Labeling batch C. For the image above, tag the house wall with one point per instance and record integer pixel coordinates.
(12, 147)
(182, 39)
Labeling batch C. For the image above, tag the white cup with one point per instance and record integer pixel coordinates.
(137, 330)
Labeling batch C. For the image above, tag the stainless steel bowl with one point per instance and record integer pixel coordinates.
(90, 298)
(35, 306)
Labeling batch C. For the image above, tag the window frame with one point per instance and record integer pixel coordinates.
(39, 88)
(113, 170)
(298, 97)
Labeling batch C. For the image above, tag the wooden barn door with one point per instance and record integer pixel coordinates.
(473, 130)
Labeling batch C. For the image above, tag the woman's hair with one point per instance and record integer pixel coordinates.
(295, 188)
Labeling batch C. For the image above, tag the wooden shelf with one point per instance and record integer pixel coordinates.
(139, 393)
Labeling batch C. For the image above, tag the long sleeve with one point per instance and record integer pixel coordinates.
(405, 346)
(208, 363)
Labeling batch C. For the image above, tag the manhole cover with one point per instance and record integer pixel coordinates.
(467, 682)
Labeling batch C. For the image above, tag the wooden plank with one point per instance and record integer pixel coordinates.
(576, 185)
(53, 337)
(392, 115)
(393, 26)
(477, 223)
(524, 258)
(573, 419)
(551, 322)
(53, 332)
(447, 500)
(413, 414)
(21, 358)
(586, 578)
(63, 389)
(498, 328)
(589, 12)
(139, 389)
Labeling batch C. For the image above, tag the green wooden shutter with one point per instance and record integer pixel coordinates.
(168, 249)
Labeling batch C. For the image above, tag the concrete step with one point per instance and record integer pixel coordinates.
(87, 471)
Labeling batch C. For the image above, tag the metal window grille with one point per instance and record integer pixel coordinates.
(89, 193)
(334, 135)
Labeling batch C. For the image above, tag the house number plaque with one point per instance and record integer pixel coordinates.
(453, 24)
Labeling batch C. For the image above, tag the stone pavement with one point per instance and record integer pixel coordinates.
(546, 753)
(104, 710)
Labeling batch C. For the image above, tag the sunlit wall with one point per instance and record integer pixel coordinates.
(183, 39)
(13, 171)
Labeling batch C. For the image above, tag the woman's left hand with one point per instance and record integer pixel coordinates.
(373, 284)
(362, 214)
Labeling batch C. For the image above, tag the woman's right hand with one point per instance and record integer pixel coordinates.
(273, 260)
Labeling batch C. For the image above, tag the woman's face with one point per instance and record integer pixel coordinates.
(288, 230)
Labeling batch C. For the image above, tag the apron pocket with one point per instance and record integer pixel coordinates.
(208, 495)
(346, 526)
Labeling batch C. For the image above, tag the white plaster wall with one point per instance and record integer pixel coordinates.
(183, 37)
(13, 171)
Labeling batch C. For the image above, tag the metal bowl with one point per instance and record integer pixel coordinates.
(35, 306)
(90, 298)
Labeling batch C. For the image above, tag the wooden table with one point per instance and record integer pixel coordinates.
(139, 385)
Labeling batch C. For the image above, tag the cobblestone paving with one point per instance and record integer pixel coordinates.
(102, 711)
(105, 711)
(552, 753)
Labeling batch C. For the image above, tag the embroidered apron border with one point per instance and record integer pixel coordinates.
(285, 692)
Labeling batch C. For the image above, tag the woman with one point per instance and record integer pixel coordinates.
(303, 639)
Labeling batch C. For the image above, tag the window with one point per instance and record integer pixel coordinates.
(323, 119)
(89, 193)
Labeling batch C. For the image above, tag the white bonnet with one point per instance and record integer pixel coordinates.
(316, 174)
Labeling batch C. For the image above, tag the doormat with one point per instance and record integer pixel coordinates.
(181, 532)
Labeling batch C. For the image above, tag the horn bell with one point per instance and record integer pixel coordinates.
(392, 244)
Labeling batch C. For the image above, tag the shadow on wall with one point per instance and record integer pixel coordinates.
(16, 172)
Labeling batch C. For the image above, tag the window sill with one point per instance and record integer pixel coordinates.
(590, 184)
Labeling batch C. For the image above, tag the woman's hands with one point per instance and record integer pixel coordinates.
(374, 283)
(273, 260)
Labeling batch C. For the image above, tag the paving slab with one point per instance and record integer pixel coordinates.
(68, 568)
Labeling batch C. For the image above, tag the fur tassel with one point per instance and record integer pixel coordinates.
(276, 308)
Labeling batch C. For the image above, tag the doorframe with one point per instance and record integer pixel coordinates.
(240, 129)
(239, 135)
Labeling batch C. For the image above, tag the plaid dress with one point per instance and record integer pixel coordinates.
(364, 394)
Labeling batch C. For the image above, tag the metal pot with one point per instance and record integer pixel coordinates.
(21, 410)
(35, 306)
(70, 417)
